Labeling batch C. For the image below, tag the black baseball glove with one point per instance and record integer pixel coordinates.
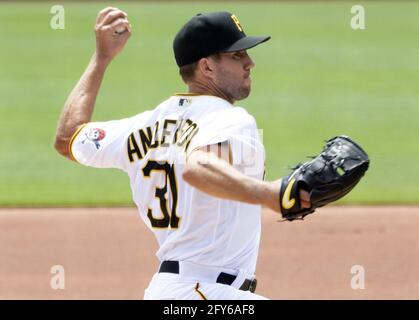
(327, 178)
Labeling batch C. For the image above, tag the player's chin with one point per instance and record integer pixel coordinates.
(243, 93)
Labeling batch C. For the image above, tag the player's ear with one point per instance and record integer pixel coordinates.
(206, 67)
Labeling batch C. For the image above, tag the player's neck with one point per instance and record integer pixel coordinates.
(208, 89)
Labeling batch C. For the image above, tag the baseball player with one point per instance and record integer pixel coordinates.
(195, 162)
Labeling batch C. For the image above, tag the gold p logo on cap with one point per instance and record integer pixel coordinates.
(237, 22)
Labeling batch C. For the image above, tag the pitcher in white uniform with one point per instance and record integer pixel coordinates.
(195, 162)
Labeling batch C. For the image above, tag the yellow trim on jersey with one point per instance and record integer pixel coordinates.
(70, 144)
(230, 153)
(199, 292)
(190, 94)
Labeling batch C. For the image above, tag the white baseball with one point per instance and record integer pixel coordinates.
(120, 29)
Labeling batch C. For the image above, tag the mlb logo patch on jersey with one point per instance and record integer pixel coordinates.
(184, 102)
(95, 135)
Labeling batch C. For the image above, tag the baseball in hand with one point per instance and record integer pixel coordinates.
(120, 29)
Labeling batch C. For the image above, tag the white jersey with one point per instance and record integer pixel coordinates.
(151, 148)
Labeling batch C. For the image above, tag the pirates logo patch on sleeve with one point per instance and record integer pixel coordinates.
(95, 135)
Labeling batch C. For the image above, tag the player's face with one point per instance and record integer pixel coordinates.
(233, 74)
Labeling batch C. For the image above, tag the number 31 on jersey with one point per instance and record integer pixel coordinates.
(168, 218)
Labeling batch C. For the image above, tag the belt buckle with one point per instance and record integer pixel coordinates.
(249, 285)
(252, 285)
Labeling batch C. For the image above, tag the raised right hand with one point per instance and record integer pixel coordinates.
(108, 41)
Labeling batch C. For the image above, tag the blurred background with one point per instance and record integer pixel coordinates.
(315, 79)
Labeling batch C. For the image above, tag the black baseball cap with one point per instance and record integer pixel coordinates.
(210, 33)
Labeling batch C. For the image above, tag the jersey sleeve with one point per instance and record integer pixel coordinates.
(102, 144)
(239, 129)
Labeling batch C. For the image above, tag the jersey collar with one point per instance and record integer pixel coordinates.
(191, 94)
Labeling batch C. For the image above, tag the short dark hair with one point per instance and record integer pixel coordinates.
(187, 72)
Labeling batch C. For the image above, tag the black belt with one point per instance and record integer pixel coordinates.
(224, 278)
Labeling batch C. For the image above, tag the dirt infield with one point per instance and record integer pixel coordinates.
(109, 254)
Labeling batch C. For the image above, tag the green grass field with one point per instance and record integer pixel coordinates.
(316, 78)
